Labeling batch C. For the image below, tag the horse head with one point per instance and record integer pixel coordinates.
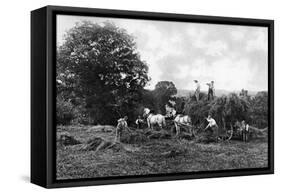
(146, 112)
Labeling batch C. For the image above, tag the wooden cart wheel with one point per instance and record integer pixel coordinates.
(229, 134)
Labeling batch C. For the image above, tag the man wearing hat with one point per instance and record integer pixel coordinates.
(122, 125)
(211, 90)
(197, 90)
(212, 126)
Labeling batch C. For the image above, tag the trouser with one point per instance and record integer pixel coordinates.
(244, 135)
(197, 92)
(214, 131)
(210, 94)
(138, 125)
(118, 134)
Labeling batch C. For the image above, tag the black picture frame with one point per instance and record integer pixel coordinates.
(43, 91)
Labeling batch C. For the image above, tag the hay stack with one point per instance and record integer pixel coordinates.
(158, 134)
(98, 143)
(66, 140)
(102, 128)
(133, 137)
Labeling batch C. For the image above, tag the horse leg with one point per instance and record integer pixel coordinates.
(177, 129)
(160, 125)
(190, 130)
(148, 124)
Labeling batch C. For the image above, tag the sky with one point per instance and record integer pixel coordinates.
(232, 56)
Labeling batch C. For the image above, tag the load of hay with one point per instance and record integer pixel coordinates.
(66, 140)
(206, 137)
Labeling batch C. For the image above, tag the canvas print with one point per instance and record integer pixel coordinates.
(146, 97)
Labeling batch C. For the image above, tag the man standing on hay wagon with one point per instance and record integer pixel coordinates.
(211, 90)
(212, 126)
(197, 90)
(122, 125)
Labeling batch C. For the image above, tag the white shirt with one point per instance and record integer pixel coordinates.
(212, 122)
(197, 86)
(211, 86)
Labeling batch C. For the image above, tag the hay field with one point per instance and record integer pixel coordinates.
(92, 153)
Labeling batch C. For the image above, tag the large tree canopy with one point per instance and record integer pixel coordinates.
(99, 65)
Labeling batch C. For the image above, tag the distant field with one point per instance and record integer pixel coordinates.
(219, 92)
(153, 156)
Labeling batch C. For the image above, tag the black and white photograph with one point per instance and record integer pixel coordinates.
(139, 97)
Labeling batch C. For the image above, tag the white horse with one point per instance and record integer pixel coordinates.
(182, 120)
(154, 119)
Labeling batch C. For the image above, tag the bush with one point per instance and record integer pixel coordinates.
(64, 112)
(258, 113)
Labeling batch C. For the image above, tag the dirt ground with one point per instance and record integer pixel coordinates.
(148, 156)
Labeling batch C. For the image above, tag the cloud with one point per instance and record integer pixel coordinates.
(232, 74)
(258, 41)
(237, 35)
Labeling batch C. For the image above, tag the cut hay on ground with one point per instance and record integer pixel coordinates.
(156, 156)
(185, 135)
(102, 128)
(133, 137)
(98, 143)
(66, 140)
(158, 135)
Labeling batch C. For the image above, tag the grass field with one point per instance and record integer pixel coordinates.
(152, 157)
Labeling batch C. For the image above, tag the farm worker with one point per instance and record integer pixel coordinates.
(212, 125)
(197, 90)
(245, 131)
(139, 121)
(122, 125)
(211, 90)
(170, 111)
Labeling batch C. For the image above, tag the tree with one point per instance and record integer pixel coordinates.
(98, 65)
(164, 91)
(64, 111)
(258, 114)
